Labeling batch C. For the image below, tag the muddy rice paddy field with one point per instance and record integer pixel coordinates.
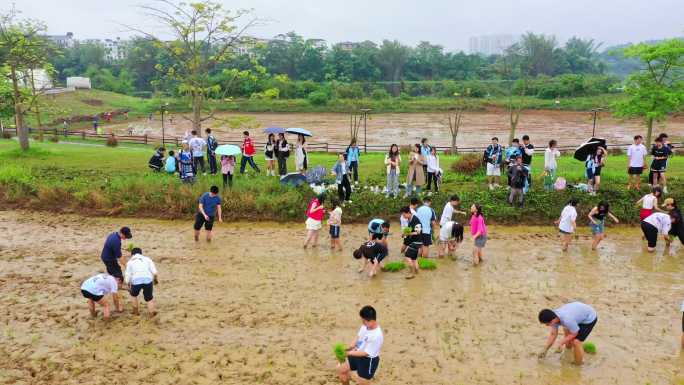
(254, 308)
(569, 128)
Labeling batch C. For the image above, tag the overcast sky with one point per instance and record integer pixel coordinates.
(446, 22)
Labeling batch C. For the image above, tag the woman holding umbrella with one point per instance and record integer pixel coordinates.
(300, 154)
(594, 165)
(269, 154)
(282, 153)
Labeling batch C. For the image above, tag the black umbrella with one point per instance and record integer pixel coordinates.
(293, 179)
(589, 148)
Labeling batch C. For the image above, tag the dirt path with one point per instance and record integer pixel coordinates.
(253, 308)
(477, 128)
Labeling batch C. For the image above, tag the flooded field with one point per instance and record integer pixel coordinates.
(254, 308)
(569, 128)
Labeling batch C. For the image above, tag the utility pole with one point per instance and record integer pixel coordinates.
(595, 111)
(163, 109)
(365, 112)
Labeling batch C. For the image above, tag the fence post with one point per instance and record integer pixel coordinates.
(83, 134)
(145, 138)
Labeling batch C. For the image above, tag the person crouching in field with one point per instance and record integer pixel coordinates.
(577, 319)
(363, 356)
(96, 288)
(141, 274)
(450, 237)
(373, 251)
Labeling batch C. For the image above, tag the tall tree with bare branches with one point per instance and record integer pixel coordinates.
(204, 36)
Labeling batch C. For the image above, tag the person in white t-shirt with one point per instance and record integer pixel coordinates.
(450, 208)
(655, 224)
(636, 153)
(363, 356)
(197, 146)
(141, 275)
(96, 288)
(567, 223)
(334, 223)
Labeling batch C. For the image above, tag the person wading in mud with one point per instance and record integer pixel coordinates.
(209, 208)
(577, 319)
(363, 356)
(96, 288)
(111, 253)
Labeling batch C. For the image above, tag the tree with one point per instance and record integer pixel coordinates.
(581, 56)
(657, 90)
(538, 54)
(205, 35)
(510, 67)
(22, 49)
(454, 118)
(391, 57)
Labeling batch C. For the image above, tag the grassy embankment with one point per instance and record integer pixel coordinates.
(116, 181)
(91, 102)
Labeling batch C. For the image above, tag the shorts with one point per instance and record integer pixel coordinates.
(597, 171)
(585, 330)
(635, 170)
(114, 269)
(312, 224)
(426, 239)
(493, 169)
(199, 221)
(651, 234)
(599, 228)
(412, 251)
(645, 213)
(377, 258)
(365, 367)
(481, 241)
(590, 174)
(91, 296)
(334, 231)
(146, 289)
(564, 232)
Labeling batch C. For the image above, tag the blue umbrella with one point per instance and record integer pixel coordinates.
(298, 131)
(293, 179)
(274, 130)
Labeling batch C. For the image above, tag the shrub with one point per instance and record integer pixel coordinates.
(54, 139)
(467, 164)
(426, 264)
(379, 94)
(6, 135)
(112, 141)
(37, 138)
(318, 98)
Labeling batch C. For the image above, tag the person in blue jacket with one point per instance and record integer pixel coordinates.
(352, 155)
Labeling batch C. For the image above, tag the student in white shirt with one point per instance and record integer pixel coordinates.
(567, 223)
(450, 208)
(141, 275)
(96, 288)
(433, 169)
(636, 153)
(551, 154)
(655, 224)
(363, 356)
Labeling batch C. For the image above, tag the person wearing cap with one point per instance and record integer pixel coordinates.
(96, 288)
(111, 253)
(141, 275)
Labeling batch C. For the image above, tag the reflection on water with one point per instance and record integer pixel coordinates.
(254, 295)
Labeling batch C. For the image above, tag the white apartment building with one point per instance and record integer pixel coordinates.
(490, 44)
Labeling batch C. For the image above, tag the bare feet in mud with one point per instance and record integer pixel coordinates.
(94, 313)
(135, 311)
(153, 314)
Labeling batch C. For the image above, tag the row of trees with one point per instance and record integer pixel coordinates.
(199, 62)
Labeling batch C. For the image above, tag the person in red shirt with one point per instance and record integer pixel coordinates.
(314, 213)
(248, 152)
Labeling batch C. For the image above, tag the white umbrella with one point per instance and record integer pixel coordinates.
(298, 131)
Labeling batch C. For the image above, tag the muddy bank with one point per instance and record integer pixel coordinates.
(252, 307)
(569, 128)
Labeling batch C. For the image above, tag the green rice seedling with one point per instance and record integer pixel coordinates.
(589, 347)
(394, 266)
(406, 231)
(340, 352)
(131, 246)
(426, 264)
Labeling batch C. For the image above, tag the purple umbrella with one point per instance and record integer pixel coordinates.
(274, 130)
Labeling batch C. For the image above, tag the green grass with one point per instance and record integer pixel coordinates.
(340, 352)
(426, 264)
(394, 266)
(117, 181)
(589, 347)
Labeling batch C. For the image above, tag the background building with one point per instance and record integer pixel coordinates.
(63, 41)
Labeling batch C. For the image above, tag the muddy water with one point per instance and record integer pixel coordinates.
(252, 307)
(569, 128)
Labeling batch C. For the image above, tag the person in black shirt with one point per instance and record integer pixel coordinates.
(527, 150)
(677, 228)
(518, 175)
(660, 152)
(373, 252)
(597, 222)
(413, 240)
(157, 160)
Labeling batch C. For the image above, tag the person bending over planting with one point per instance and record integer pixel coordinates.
(209, 208)
(141, 275)
(577, 319)
(413, 240)
(363, 356)
(373, 251)
(96, 288)
(379, 227)
(111, 253)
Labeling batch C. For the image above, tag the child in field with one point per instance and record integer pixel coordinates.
(227, 168)
(567, 223)
(314, 213)
(373, 251)
(96, 288)
(597, 221)
(649, 202)
(141, 275)
(335, 221)
(450, 237)
(577, 319)
(170, 165)
(363, 356)
(404, 220)
(186, 166)
(379, 227)
(478, 230)
(413, 241)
